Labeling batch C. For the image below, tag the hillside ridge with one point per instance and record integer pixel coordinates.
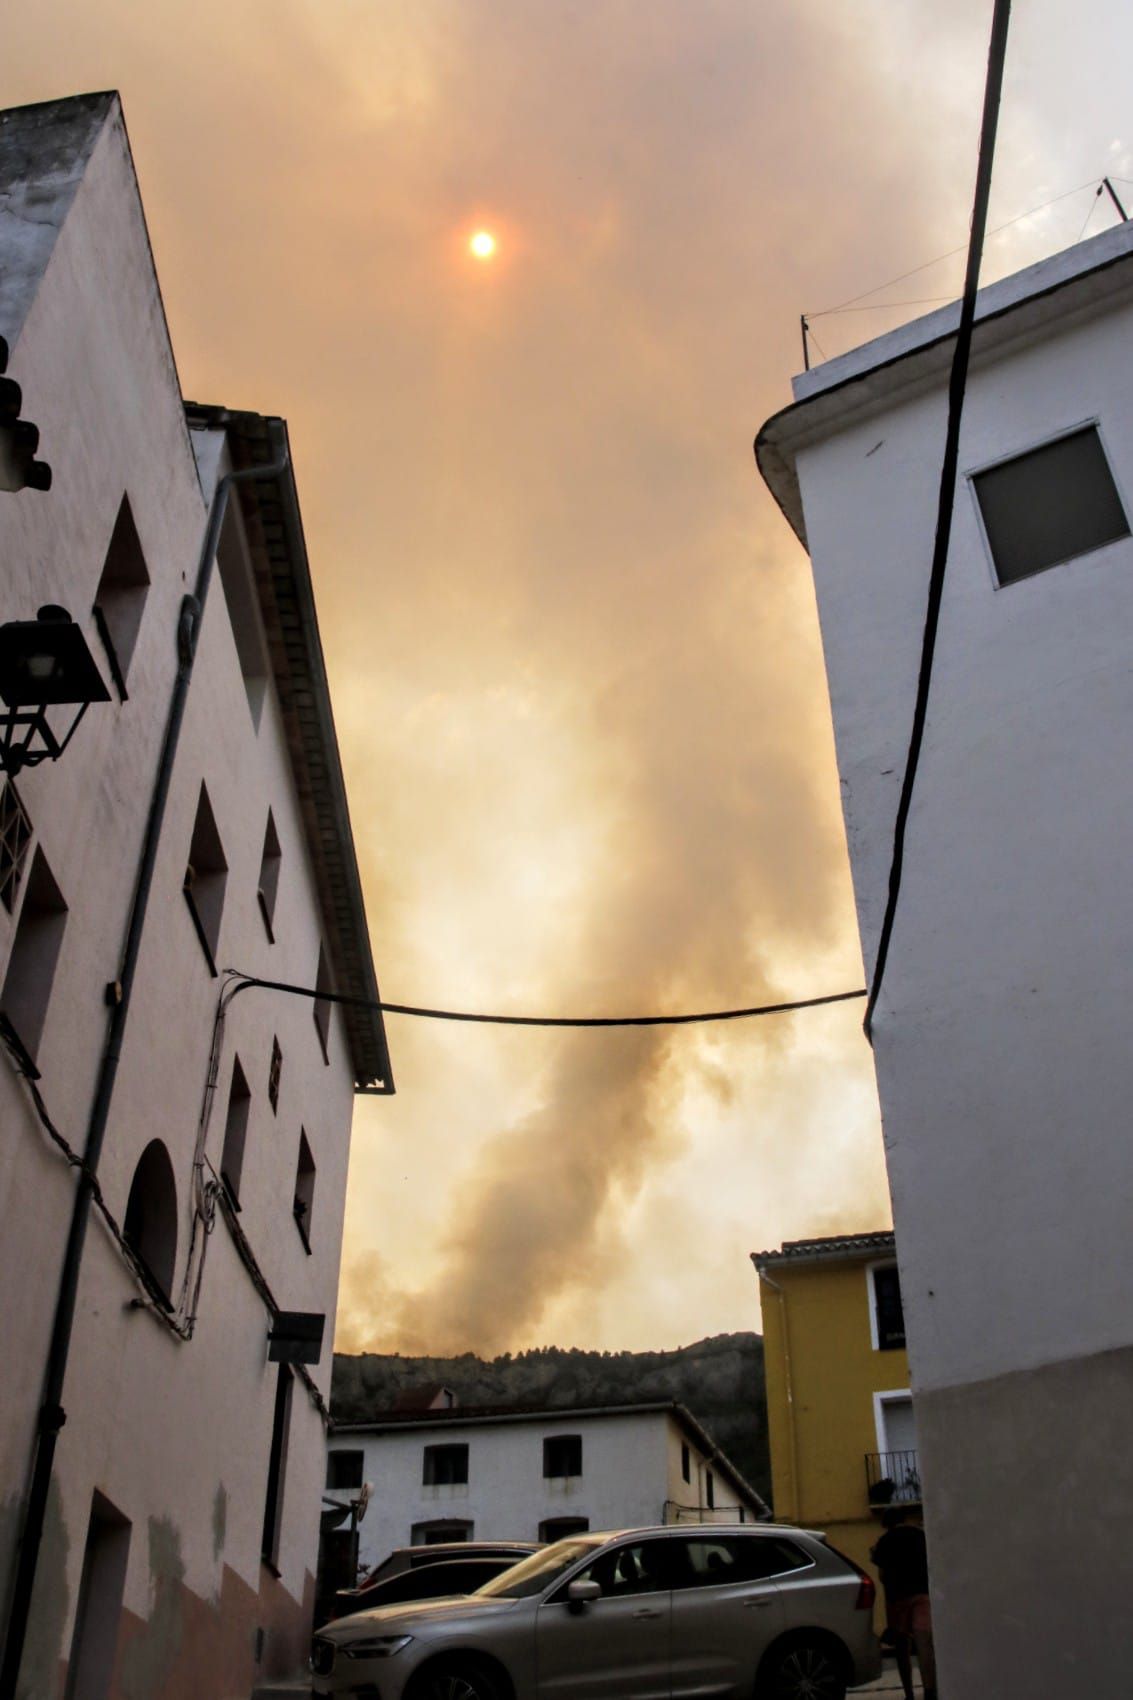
(719, 1379)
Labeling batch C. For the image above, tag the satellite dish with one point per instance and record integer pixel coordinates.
(333, 1517)
(363, 1500)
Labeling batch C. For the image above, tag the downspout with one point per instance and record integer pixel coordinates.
(51, 1414)
(792, 1437)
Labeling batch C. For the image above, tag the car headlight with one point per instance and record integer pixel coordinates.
(376, 1647)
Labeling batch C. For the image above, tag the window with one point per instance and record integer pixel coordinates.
(686, 1462)
(322, 1009)
(445, 1466)
(439, 1531)
(275, 1069)
(121, 596)
(562, 1455)
(1048, 506)
(277, 1468)
(269, 876)
(344, 1469)
(640, 1567)
(206, 875)
(888, 1314)
(150, 1227)
(32, 963)
(15, 836)
(708, 1563)
(94, 1638)
(710, 1490)
(243, 614)
(304, 1190)
(558, 1528)
(235, 1132)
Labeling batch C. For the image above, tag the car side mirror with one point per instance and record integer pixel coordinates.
(581, 1594)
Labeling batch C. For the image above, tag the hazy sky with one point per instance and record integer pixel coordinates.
(572, 644)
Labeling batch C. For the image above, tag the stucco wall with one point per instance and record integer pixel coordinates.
(175, 1435)
(1000, 1039)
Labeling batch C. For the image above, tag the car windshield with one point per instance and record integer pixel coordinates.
(539, 1571)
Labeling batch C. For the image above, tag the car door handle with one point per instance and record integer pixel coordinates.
(648, 1611)
(757, 1605)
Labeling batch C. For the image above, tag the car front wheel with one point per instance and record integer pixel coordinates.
(458, 1679)
(803, 1670)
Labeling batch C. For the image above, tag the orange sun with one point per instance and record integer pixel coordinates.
(482, 245)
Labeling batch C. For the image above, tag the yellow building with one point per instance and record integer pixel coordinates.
(839, 1409)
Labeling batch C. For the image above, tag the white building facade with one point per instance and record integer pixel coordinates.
(532, 1475)
(179, 1545)
(1000, 1038)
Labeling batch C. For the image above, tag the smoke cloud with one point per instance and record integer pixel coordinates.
(572, 645)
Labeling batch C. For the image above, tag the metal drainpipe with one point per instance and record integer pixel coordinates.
(792, 1437)
(52, 1415)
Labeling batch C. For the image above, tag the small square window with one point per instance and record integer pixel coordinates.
(235, 1133)
(243, 613)
(562, 1455)
(889, 1313)
(33, 960)
(445, 1466)
(15, 836)
(121, 596)
(268, 888)
(304, 1191)
(274, 1072)
(1048, 506)
(320, 1007)
(206, 875)
(344, 1469)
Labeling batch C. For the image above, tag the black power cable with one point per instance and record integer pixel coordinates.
(240, 982)
(997, 54)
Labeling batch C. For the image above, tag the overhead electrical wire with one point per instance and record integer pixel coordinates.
(851, 301)
(997, 53)
(240, 982)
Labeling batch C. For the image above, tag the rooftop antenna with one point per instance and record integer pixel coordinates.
(1115, 198)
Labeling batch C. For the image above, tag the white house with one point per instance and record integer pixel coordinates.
(180, 1532)
(532, 1474)
(1001, 1037)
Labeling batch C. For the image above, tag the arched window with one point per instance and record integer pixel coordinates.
(150, 1229)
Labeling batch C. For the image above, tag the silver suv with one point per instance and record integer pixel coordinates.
(644, 1614)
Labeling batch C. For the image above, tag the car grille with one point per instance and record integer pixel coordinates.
(322, 1656)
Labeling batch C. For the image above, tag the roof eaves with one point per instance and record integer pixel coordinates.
(920, 353)
(274, 529)
(833, 1248)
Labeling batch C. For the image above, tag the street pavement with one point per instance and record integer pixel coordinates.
(888, 1683)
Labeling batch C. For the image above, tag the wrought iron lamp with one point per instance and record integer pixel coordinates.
(44, 663)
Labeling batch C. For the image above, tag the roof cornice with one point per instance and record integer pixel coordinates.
(894, 368)
(281, 570)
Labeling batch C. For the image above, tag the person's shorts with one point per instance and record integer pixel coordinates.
(910, 1617)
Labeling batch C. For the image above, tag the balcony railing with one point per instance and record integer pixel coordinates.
(892, 1478)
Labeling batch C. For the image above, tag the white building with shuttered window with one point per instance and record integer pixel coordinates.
(1001, 1036)
(532, 1474)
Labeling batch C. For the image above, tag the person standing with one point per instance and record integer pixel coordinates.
(901, 1556)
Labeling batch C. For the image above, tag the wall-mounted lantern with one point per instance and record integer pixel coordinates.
(44, 664)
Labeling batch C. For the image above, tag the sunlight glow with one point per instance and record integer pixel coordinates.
(483, 244)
